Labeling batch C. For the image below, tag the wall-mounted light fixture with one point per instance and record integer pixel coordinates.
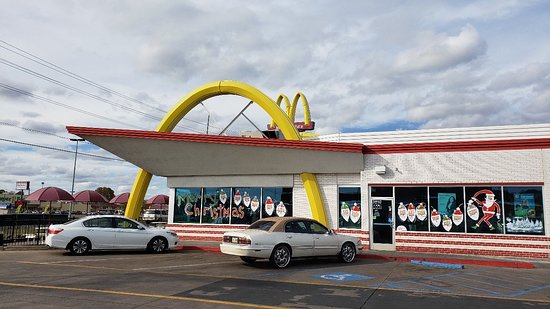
(380, 169)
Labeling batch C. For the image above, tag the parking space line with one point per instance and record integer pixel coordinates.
(79, 266)
(182, 266)
(157, 296)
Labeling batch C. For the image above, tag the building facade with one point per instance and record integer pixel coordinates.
(477, 191)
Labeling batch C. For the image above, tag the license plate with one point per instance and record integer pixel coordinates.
(235, 240)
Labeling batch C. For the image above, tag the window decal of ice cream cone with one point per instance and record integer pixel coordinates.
(255, 204)
(402, 212)
(355, 213)
(281, 209)
(447, 223)
(436, 218)
(269, 206)
(421, 212)
(344, 211)
(246, 199)
(411, 212)
(458, 216)
(472, 210)
(237, 198)
(223, 197)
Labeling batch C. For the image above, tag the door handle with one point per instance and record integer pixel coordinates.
(289, 237)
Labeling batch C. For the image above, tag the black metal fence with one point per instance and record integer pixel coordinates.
(27, 229)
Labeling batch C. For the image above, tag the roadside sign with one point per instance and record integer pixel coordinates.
(22, 185)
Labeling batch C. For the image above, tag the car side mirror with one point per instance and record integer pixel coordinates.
(331, 232)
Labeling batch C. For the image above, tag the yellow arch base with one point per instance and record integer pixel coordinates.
(195, 97)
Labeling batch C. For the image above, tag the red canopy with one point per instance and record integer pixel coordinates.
(89, 196)
(121, 198)
(158, 199)
(50, 194)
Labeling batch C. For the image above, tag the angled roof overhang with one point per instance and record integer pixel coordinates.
(181, 154)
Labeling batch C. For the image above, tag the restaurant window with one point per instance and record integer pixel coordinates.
(188, 205)
(411, 208)
(381, 191)
(447, 209)
(524, 210)
(245, 205)
(349, 209)
(215, 207)
(484, 210)
(277, 202)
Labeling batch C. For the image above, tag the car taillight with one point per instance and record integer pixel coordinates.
(54, 231)
(244, 241)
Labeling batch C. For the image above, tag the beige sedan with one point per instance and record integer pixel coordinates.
(282, 239)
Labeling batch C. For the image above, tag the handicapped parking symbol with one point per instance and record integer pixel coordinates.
(342, 277)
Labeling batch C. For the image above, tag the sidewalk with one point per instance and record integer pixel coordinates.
(407, 257)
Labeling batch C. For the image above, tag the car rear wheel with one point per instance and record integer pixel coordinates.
(248, 259)
(79, 246)
(347, 254)
(157, 245)
(281, 256)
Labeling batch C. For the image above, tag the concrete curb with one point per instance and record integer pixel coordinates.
(408, 259)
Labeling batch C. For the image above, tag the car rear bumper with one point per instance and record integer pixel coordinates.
(250, 251)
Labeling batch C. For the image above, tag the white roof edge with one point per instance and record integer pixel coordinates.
(529, 131)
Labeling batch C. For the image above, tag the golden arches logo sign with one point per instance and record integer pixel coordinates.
(224, 87)
(290, 110)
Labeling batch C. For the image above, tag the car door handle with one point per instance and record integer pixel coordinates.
(289, 237)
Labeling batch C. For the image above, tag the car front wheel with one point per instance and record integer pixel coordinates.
(79, 246)
(281, 256)
(157, 245)
(347, 254)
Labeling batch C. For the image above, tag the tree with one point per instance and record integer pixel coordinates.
(107, 192)
(2, 191)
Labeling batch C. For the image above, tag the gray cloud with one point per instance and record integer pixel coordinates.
(443, 52)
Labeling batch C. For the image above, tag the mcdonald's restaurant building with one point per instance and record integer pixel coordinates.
(475, 191)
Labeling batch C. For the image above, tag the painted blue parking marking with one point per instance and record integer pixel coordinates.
(342, 277)
(441, 265)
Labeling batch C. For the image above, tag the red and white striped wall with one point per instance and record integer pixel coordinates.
(214, 233)
(484, 245)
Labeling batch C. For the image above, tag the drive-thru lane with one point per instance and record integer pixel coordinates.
(51, 278)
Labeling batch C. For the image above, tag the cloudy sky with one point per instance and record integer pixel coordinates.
(363, 65)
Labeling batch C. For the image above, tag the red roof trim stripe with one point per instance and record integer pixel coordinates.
(215, 139)
(487, 145)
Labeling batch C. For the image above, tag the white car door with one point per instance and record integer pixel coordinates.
(100, 231)
(130, 235)
(300, 240)
(324, 242)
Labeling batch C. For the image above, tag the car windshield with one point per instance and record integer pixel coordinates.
(261, 225)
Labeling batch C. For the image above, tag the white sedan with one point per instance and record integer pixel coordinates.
(109, 232)
(281, 239)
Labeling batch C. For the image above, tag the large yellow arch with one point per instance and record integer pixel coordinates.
(195, 97)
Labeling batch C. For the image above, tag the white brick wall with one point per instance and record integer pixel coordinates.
(457, 167)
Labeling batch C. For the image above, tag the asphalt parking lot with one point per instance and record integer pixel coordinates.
(202, 279)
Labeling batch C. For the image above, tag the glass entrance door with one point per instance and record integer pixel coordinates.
(382, 232)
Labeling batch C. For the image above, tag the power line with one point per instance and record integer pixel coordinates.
(61, 70)
(93, 96)
(63, 150)
(32, 130)
(64, 105)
